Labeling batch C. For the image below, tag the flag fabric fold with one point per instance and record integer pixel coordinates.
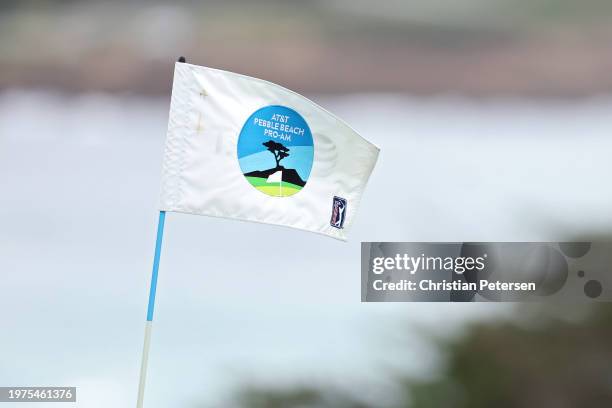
(243, 148)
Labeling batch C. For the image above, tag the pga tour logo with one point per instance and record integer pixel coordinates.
(338, 212)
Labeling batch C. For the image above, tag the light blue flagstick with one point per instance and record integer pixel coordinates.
(150, 309)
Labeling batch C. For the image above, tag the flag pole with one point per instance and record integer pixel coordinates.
(151, 306)
(150, 309)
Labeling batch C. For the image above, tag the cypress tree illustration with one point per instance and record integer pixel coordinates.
(278, 150)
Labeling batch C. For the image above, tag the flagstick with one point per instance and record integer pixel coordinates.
(149, 323)
(151, 307)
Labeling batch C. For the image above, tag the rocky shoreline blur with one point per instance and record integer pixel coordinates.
(131, 48)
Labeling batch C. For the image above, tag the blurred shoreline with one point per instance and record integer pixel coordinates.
(81, 46)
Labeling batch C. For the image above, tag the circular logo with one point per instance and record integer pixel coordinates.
(275, 151)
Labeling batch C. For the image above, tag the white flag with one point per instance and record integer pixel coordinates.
(232, 138)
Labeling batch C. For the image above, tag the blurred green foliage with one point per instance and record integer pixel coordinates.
(549, 362)
(542, 360)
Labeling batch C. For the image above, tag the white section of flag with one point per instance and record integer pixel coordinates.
(201, 173)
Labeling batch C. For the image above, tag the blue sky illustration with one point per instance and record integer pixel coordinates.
(253, 155)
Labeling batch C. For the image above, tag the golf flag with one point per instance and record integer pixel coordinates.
(243, 148)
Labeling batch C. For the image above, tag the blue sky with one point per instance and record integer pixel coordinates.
(252, 135)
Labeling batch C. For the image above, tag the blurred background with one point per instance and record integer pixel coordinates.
(493, 118)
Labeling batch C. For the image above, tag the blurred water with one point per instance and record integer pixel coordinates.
(79, 177)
